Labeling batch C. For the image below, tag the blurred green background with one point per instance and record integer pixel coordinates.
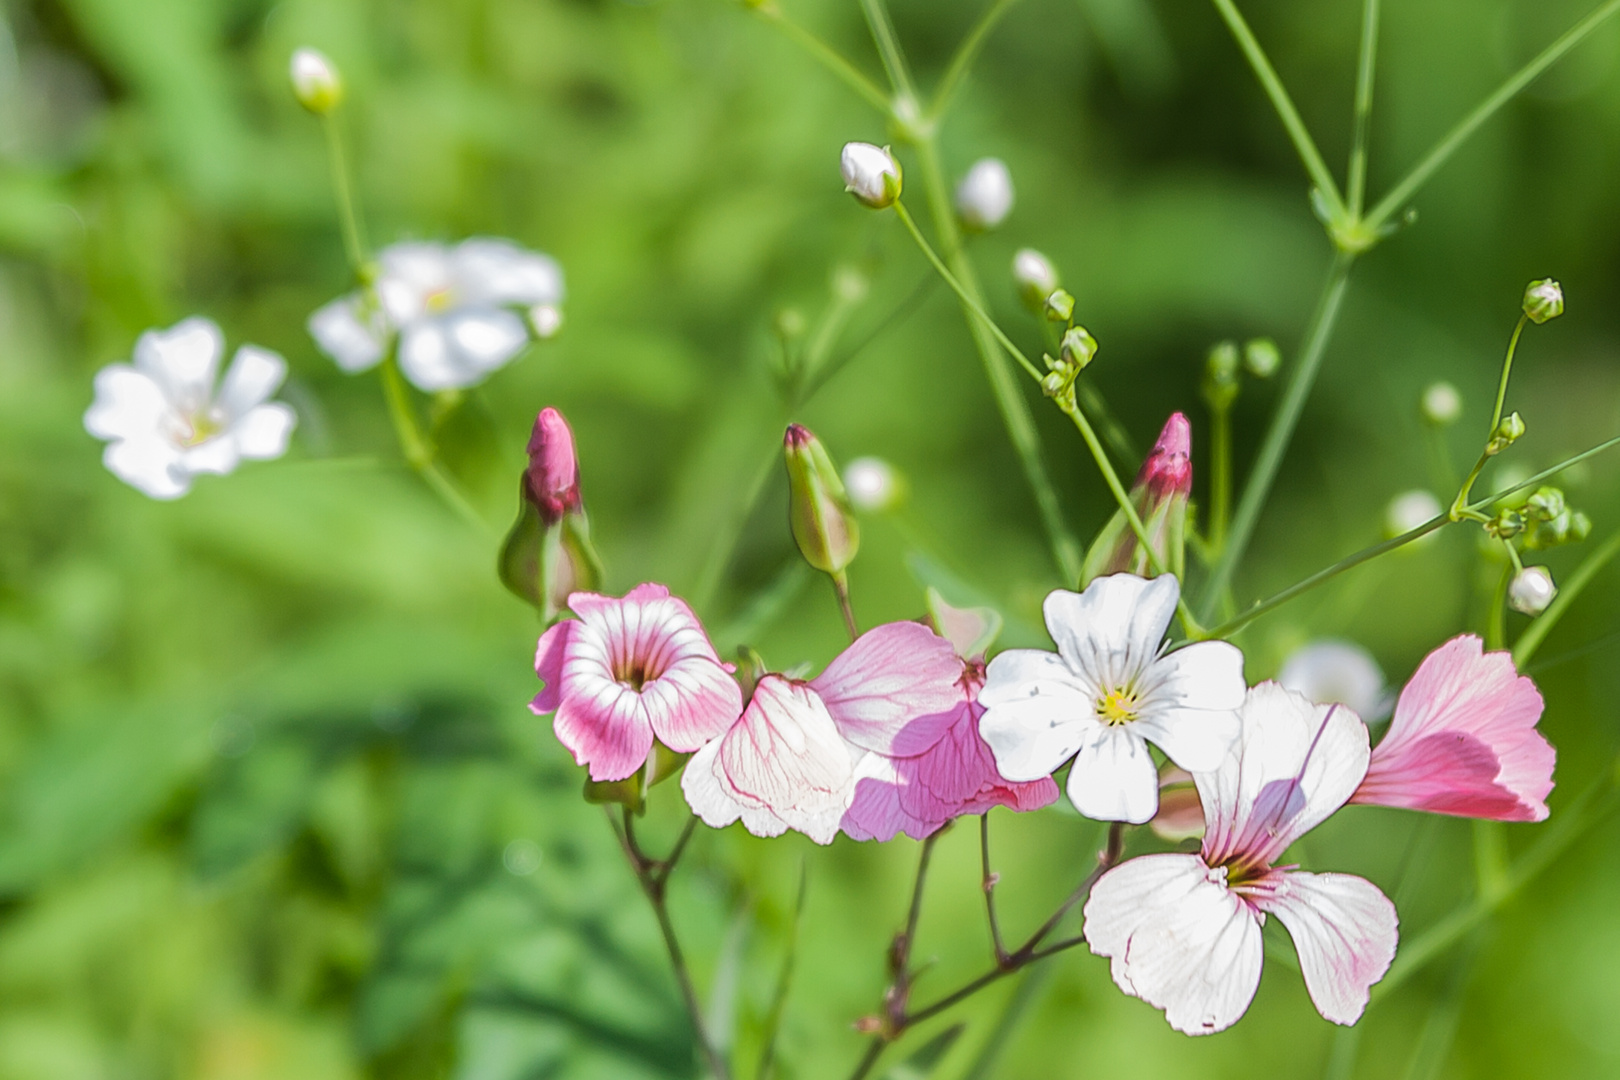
(271, 803)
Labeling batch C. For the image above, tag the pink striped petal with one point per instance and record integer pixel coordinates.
(878, 811)
(605, 728)
(1345, 931)
(548, 664)
(895, 690)
(785, 755)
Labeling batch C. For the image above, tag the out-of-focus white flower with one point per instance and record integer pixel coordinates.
(1035, 277)
(1341, 672)
(1441, 405)
(315, 81)
(872, 485)
(984, 198)
(165, 420)
(545, 320)
(451, 307)
(870, 174)
(1531, 590)
(1408, 510)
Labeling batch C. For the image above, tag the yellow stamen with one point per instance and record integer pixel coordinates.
(1118, 707)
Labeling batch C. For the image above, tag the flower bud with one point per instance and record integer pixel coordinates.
(873, 485)
(984, 198)
(819, 513)
(1408, 510)
(1262, 358)
(971, 631)
(1580, 527)
(546, 320)
(1160, 495)
(1181, 814)
(1531, 590)
(1035, 277)
(548, 552)
(1508, 432)
(1543, 300)
(1507, 524)
(1441, 405)
(1221, 375)
(551, 482)
(315, 82)
(871, 174)
(1545, 504)
(1059, 306)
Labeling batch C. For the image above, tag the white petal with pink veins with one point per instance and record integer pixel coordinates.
(895, 690)
(1345, 931)
(785, 755)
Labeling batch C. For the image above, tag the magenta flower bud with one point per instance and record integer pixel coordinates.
(551, 482)
(1160, 494)
(1167, 472)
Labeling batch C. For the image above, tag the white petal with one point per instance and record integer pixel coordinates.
(1190, 702)
(706, 790)
(785, 756)
(263, 433)
(183, 360)
(1113, 777)
(492, 271)
(412, 276)
(148, 465)
(253, 376)
(1017, 674)
(128, 405)
(487, 337)
(1030, 738)
(1113, 630)
(428, 360)
(217, 455)
(1345, 931)
(348, 335)
(1178, 939)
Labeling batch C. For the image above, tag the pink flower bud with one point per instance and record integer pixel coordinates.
(1168, 469)
(1160, 495)
(551, 483)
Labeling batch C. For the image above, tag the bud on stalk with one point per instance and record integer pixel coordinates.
(823, 523)
(871, 174)
(548, 553)
(315, 81)
(1160, 494)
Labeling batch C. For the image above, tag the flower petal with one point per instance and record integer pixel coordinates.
(413, 277)
(351, 336)
(151, 466)
(785, 755)
(1113, 777)
(253, 376)
(548, 664)
(486, 338)
(129, 404)
(1114, 629)
(183, 360)
(263, 432)
(490, 270)
(878, 810)
(1345, 931)
(707, 792)
(429, 360)
(1190, 704)
(895, 690)
(1177, 938)
(601, 723)
(1033, 737)
(1024, 673)
(217, 455)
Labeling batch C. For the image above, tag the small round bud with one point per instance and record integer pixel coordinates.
(818, 506)
(1221, 375)
(546, 320)
(1035, 277)
(1543, 300)
(1580, 527)
(1505, 525)
(315, 81)
(1441, 404)
(873, 485)
(1508, 432)
(1408, 510)
(1079, 348)
(1059, 306)
(1531, 590)
(871, 174)
(1545, 504)
(1261, 358)
(984, 198)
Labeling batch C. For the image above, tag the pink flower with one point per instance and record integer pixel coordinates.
(1183, 931)
(793, 759)
(1464, 740)
(628, 671)
(551, 482)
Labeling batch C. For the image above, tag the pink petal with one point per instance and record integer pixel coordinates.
(785, 755)
(1345, 931)
(895, 690)
(548, 664)
(878, 811)
(1464, 741)
(603, 726)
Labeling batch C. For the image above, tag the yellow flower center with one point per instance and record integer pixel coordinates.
(1118, 706)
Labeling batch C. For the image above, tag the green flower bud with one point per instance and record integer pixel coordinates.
(1262, 358)
(315, 81)
(1545, 505)
(1059, 306)
(1580, 527)
(1079, 348)
(1508, 432)
(1543, 300)
(1505, 525)
(1221, 375)
(824, 525)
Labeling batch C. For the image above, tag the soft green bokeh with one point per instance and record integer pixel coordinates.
(271, 803)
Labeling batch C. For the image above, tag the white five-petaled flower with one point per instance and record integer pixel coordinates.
(459, 312)
(1183, 931)
(165, 420)
(1108, 691)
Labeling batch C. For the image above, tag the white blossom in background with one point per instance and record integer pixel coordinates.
(315, 81)
(459, 312)
(872, 485)
(1337, 672)
(984, 198)
(1441, 404)
(1408, 510)
(1531, 590)
(165, 419)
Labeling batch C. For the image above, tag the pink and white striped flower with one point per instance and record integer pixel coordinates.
(1464, 741)
(630, 670)
(1183, 932)
(795, 756)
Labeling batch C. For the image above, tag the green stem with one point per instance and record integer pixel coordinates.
(1442, 151)
(1281, 430)
(348, 215)
(1091, 399)
(840, 582)
(1496, 614)
(828, 57)
(1460, 503)
(1525, 648)
(1545, 474)
(1309, 155)
(888, 47)
(966, 53)
(418, 451)
(1221, 487)
(1365, 73)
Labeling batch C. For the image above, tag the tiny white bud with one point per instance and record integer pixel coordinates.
(872, 485)
(1261, 358)
(1532, 590)
(1408, 510)
(1543, 300)
(546, 320)
(871, 174)
(1035, 277)
(315, 81)
(984, 198)
(1442, 405)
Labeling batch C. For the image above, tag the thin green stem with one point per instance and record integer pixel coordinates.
(966, 53)
(1496, 613)
(354, 244)
(828, 57)
(1544, 474)
(1309, 155)
(416, 448)
(1280, 432)
(840, 582)
(1507, 371)
(1525, 648)
(1221, 486)
(888, 47)
(1091, 400)
(1403, 191)
(1366, 71)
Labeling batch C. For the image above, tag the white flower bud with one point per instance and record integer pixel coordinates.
(984, 198)
(1035, 277)
(1408, 510)
(872, 485)
(1441, 404)
(315, 81)
(546, 320)
(871, 174)
(1531, 590)
(1261, 358)
(1543, 300)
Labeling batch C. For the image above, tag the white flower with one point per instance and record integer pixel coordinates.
(451, 307)
(870, 174)
(315, 81)
(984, 198)
(1329, 671)
(1531, 590)
(1442, 404)
(165, 421)
(1035, 277)
(1109, 690)
(872, 484)
(1408, 510)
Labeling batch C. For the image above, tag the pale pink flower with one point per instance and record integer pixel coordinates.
(1464, 741)
(630, 670)
(792, 760)
(1183, 931)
